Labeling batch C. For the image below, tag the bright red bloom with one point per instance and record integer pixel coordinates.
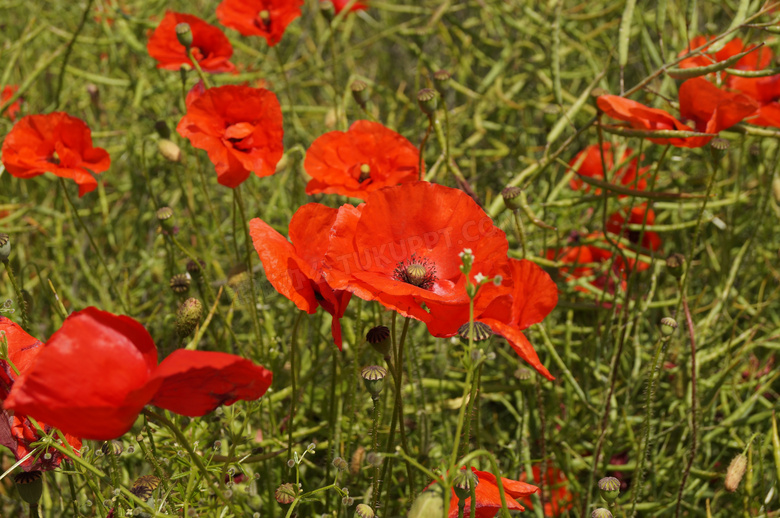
(401, 248)
(240, 128)
(591, 166)
(707, 106)
(210, 46)
(295, 269)
(650, 240)
(13, 110)
(589, 259)
(757, 60)
(54, 143)
(99, 370)
(17, 432)
(355, 163)
(266, 18)
(488, 497)
(338, 5)
(558, 499)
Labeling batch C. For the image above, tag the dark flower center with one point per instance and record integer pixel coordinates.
(365, 172)
(54, 158)
(263, 19)
(417, 271)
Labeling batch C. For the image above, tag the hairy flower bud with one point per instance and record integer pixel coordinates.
(188, 317)
(735, 472)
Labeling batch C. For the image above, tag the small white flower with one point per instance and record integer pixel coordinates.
(478, 278)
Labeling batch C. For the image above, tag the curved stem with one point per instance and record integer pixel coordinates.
(19, 298)
(293, 383)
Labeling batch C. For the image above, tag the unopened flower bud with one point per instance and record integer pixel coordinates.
(427, 99)
(373, 378)
(169, 150)
(188, 317)
(162, 129)
(340, 464)
(194, 267)
(359, 92)
(735, 472)
(5, 247)
(379, 338)
(511, 197)
(180, 283)
(364, 511)
(609, 488)
(430, 503)
(184, 34)
(286, 493)
(30, 486)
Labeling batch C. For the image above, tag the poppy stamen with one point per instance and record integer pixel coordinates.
(55, 158)
(417, 271)
(264, 19)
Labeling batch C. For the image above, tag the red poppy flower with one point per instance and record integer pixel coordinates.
(240, 128)
(401, 247)
(558, 499)
(488, 497)
(13, 110)
(339, 5)
(266, 18)
(355, 163)
(99, 370)
(295, 269)
(210, 46)
(17, 433)
(55, 143)
(589, 259)
(757, 60)
(708, 107)
(592, 167)
(616, 224)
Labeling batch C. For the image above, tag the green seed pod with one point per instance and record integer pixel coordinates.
(180, 283)
(30, 486)
(441, 79)
(188, 317)
(601, 513)
(668, 326)
(427, 99)
(609, 489)
(481, 332)
(286, 493)
(512, 197)
(359, 92)
(373, 378)
(379, 338)
(675, 263)
(464, 481)
(364, 511)
(184, 34)
(165, 217)
(5, 247)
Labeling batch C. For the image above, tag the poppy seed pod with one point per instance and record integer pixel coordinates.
(427, 99)
(668, 326)
(735, 472)
(112, 447)
(184, 34)
(373, 378)
(169, 150)
(180, 283)
(30, 486)
(188, 317)
(601, 513)
(359, 92)
(675, 263)
(364, 511)
(165, 217)
(194, 267)
(609, 488)
(511, 197)
(379, 338)
(480, 333)
(441, 79)
(464, 482)
(5, 247)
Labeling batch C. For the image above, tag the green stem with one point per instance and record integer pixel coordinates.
(94, 246)
(293, 383)
(375, 445)
(68, 51)
(198, 69)
(520, 232)
(19, 298)
(250, 272)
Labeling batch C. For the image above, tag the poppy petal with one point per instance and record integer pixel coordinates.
(194, 383)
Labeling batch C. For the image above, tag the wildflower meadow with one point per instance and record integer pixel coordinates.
(394, 259)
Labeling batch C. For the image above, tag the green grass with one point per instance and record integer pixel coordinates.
(518, 69)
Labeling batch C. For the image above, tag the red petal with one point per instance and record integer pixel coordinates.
(520, 344)
(194, 383)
